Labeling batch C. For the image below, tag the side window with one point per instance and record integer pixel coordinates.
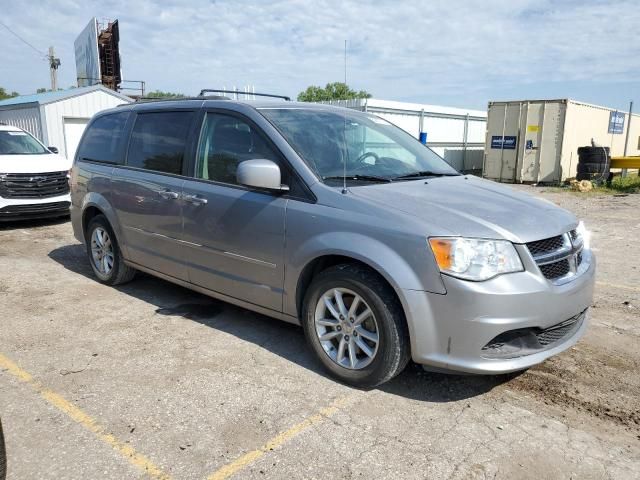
(158, 141)
(103, 139)
(226, 141)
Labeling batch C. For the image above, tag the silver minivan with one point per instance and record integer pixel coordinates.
(338, 221)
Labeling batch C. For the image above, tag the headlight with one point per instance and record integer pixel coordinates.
(584, 235)
(475, 259)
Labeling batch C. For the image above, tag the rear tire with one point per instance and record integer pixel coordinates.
(376, 361)
(104, 253)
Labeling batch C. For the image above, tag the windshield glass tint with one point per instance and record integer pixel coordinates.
(370, 146)
(16, 142)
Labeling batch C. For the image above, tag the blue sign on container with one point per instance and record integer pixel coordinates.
(616, 122)
(503, 143)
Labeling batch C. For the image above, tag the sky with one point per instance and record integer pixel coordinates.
(460, 54)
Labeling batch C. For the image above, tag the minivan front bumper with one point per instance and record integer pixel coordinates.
(492, 327)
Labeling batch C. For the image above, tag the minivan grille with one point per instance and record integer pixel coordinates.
(559, 256)
(548, 245)
(527, 341)
(33, 185)
(556, 269)
(557, 332)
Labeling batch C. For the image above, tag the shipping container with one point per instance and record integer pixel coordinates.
(536, 141)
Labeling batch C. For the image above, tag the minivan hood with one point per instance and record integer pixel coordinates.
(33, 163)
(472, 207)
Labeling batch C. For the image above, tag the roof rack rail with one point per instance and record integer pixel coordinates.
(174, 99)
(208, 90)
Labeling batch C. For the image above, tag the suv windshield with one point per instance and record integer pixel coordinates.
(17, 142)
(373, 149)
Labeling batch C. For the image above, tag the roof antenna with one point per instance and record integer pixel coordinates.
(344, 133)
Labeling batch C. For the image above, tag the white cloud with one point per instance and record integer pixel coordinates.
(461, 52)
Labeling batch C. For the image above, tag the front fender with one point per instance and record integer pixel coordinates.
(398, 272)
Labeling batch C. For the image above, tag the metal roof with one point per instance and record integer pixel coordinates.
(51, 97)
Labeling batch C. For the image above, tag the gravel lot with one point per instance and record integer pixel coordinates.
(152, 380)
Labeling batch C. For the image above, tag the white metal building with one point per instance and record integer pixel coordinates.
(455, 133)
(538, 140)
(58, 119)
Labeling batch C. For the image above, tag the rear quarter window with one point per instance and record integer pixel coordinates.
(104, 139)
(158, 141)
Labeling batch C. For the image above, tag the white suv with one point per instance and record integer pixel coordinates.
(33, 179)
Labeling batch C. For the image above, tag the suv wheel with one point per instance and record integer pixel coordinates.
(104, 254)
(355, 325)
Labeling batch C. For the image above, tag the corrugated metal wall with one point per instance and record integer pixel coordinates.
(80, 107)
(24, 117)
(456, 134)
(585, 122)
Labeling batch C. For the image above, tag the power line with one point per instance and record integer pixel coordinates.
(24, 41)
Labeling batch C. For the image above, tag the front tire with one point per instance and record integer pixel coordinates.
(355, 325)
(104, 253)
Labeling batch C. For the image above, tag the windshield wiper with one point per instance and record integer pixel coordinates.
(425, 173)
(366, 178)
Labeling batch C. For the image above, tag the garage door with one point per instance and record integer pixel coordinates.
(73, 129)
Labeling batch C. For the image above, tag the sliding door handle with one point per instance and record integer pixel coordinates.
(168, 194)
(194, 199)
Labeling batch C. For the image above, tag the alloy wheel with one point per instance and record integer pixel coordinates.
(102, 251)
(347, 328)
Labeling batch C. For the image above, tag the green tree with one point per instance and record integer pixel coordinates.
(45, 90)
(161, 94)
(333, 91)
(4, 94)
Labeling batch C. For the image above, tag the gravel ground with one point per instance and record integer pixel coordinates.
(153, 376)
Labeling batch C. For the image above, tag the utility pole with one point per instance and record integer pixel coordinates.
(54, 63)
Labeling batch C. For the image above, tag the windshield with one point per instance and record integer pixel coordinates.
(374, 150)
(17, 142)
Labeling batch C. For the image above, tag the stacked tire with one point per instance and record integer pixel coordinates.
(593, 164)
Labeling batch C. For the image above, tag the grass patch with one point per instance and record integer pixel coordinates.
(628, 184)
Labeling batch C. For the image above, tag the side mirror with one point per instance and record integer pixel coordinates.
(53, 149)
(260, 173)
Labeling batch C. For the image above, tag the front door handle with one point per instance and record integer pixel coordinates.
(168, 194)
(195, 199)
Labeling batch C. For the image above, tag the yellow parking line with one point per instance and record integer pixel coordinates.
(250, 457)
(616, 285)
(77, 415)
